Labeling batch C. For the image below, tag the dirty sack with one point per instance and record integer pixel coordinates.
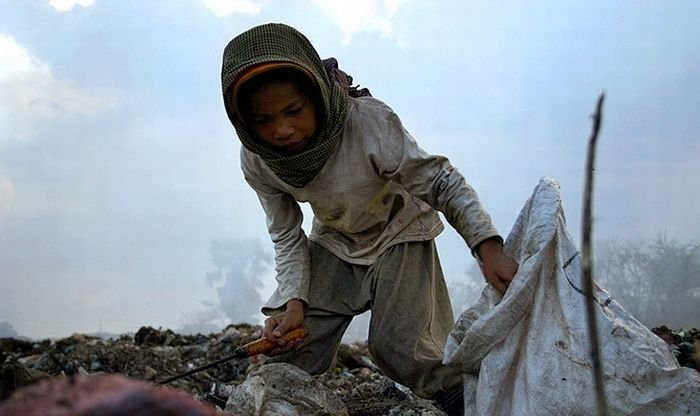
(528, 352)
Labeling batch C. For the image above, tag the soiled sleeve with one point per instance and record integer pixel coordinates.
(432, 178)
(284, 220)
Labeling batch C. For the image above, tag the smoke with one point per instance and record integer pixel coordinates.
(208, 320)
(7, 331)
(240, 265)
(7, 198)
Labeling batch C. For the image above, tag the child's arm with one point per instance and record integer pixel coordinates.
(285, 308)
(434, 180)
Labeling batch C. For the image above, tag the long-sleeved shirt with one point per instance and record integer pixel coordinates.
(379, 188)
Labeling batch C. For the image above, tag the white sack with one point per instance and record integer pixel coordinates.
(528, 353)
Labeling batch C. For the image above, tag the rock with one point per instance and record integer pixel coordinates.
(284, 390)
(147, 335)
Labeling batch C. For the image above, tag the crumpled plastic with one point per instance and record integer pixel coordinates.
(281, 389)
(528, 352)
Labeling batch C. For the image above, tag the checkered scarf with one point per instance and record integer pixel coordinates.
(281, 43)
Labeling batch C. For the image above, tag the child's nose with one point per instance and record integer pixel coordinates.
(283, 131)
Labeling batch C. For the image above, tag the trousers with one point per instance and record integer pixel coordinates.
(411, 315)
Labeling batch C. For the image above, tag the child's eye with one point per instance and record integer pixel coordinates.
(259, 121)
(295, 111)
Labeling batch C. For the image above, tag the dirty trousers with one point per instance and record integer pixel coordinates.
(411, 314)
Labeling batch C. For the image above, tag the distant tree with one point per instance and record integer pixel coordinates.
(240, 264)
(7, 331)
(621, 268)
(657, 281)
(674, 275)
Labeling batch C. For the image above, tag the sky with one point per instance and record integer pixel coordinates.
(118, 166)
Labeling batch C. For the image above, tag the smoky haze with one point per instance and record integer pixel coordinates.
(240, 266)
(119, 170)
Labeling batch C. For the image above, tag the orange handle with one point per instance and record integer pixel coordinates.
(264, 345)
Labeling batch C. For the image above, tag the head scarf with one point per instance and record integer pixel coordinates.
(278, 43)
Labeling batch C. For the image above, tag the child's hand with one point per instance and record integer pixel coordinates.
(498, 269)
(283, 322)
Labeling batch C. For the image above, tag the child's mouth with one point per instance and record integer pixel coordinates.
(295, 146)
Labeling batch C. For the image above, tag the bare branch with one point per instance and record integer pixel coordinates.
(587, 261)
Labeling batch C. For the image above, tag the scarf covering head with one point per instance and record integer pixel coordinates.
(278, 43)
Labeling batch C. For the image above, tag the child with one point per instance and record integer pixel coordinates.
(375, 196)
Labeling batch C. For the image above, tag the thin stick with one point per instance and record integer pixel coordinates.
(587, 260)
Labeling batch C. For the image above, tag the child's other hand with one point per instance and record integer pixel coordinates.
(498, 269)
(277, 325)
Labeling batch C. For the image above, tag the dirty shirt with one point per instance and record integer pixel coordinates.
(377, 189)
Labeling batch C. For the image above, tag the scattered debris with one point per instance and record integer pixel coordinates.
(149, 355)
(685, 345)
(355, 385)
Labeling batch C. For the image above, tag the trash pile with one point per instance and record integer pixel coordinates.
(152, 355)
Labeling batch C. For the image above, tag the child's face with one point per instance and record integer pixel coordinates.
(282, 116)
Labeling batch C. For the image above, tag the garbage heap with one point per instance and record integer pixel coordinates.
(354, 386)
(82, 375)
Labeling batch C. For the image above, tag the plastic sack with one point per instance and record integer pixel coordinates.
(528, 352)
(281, 389)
